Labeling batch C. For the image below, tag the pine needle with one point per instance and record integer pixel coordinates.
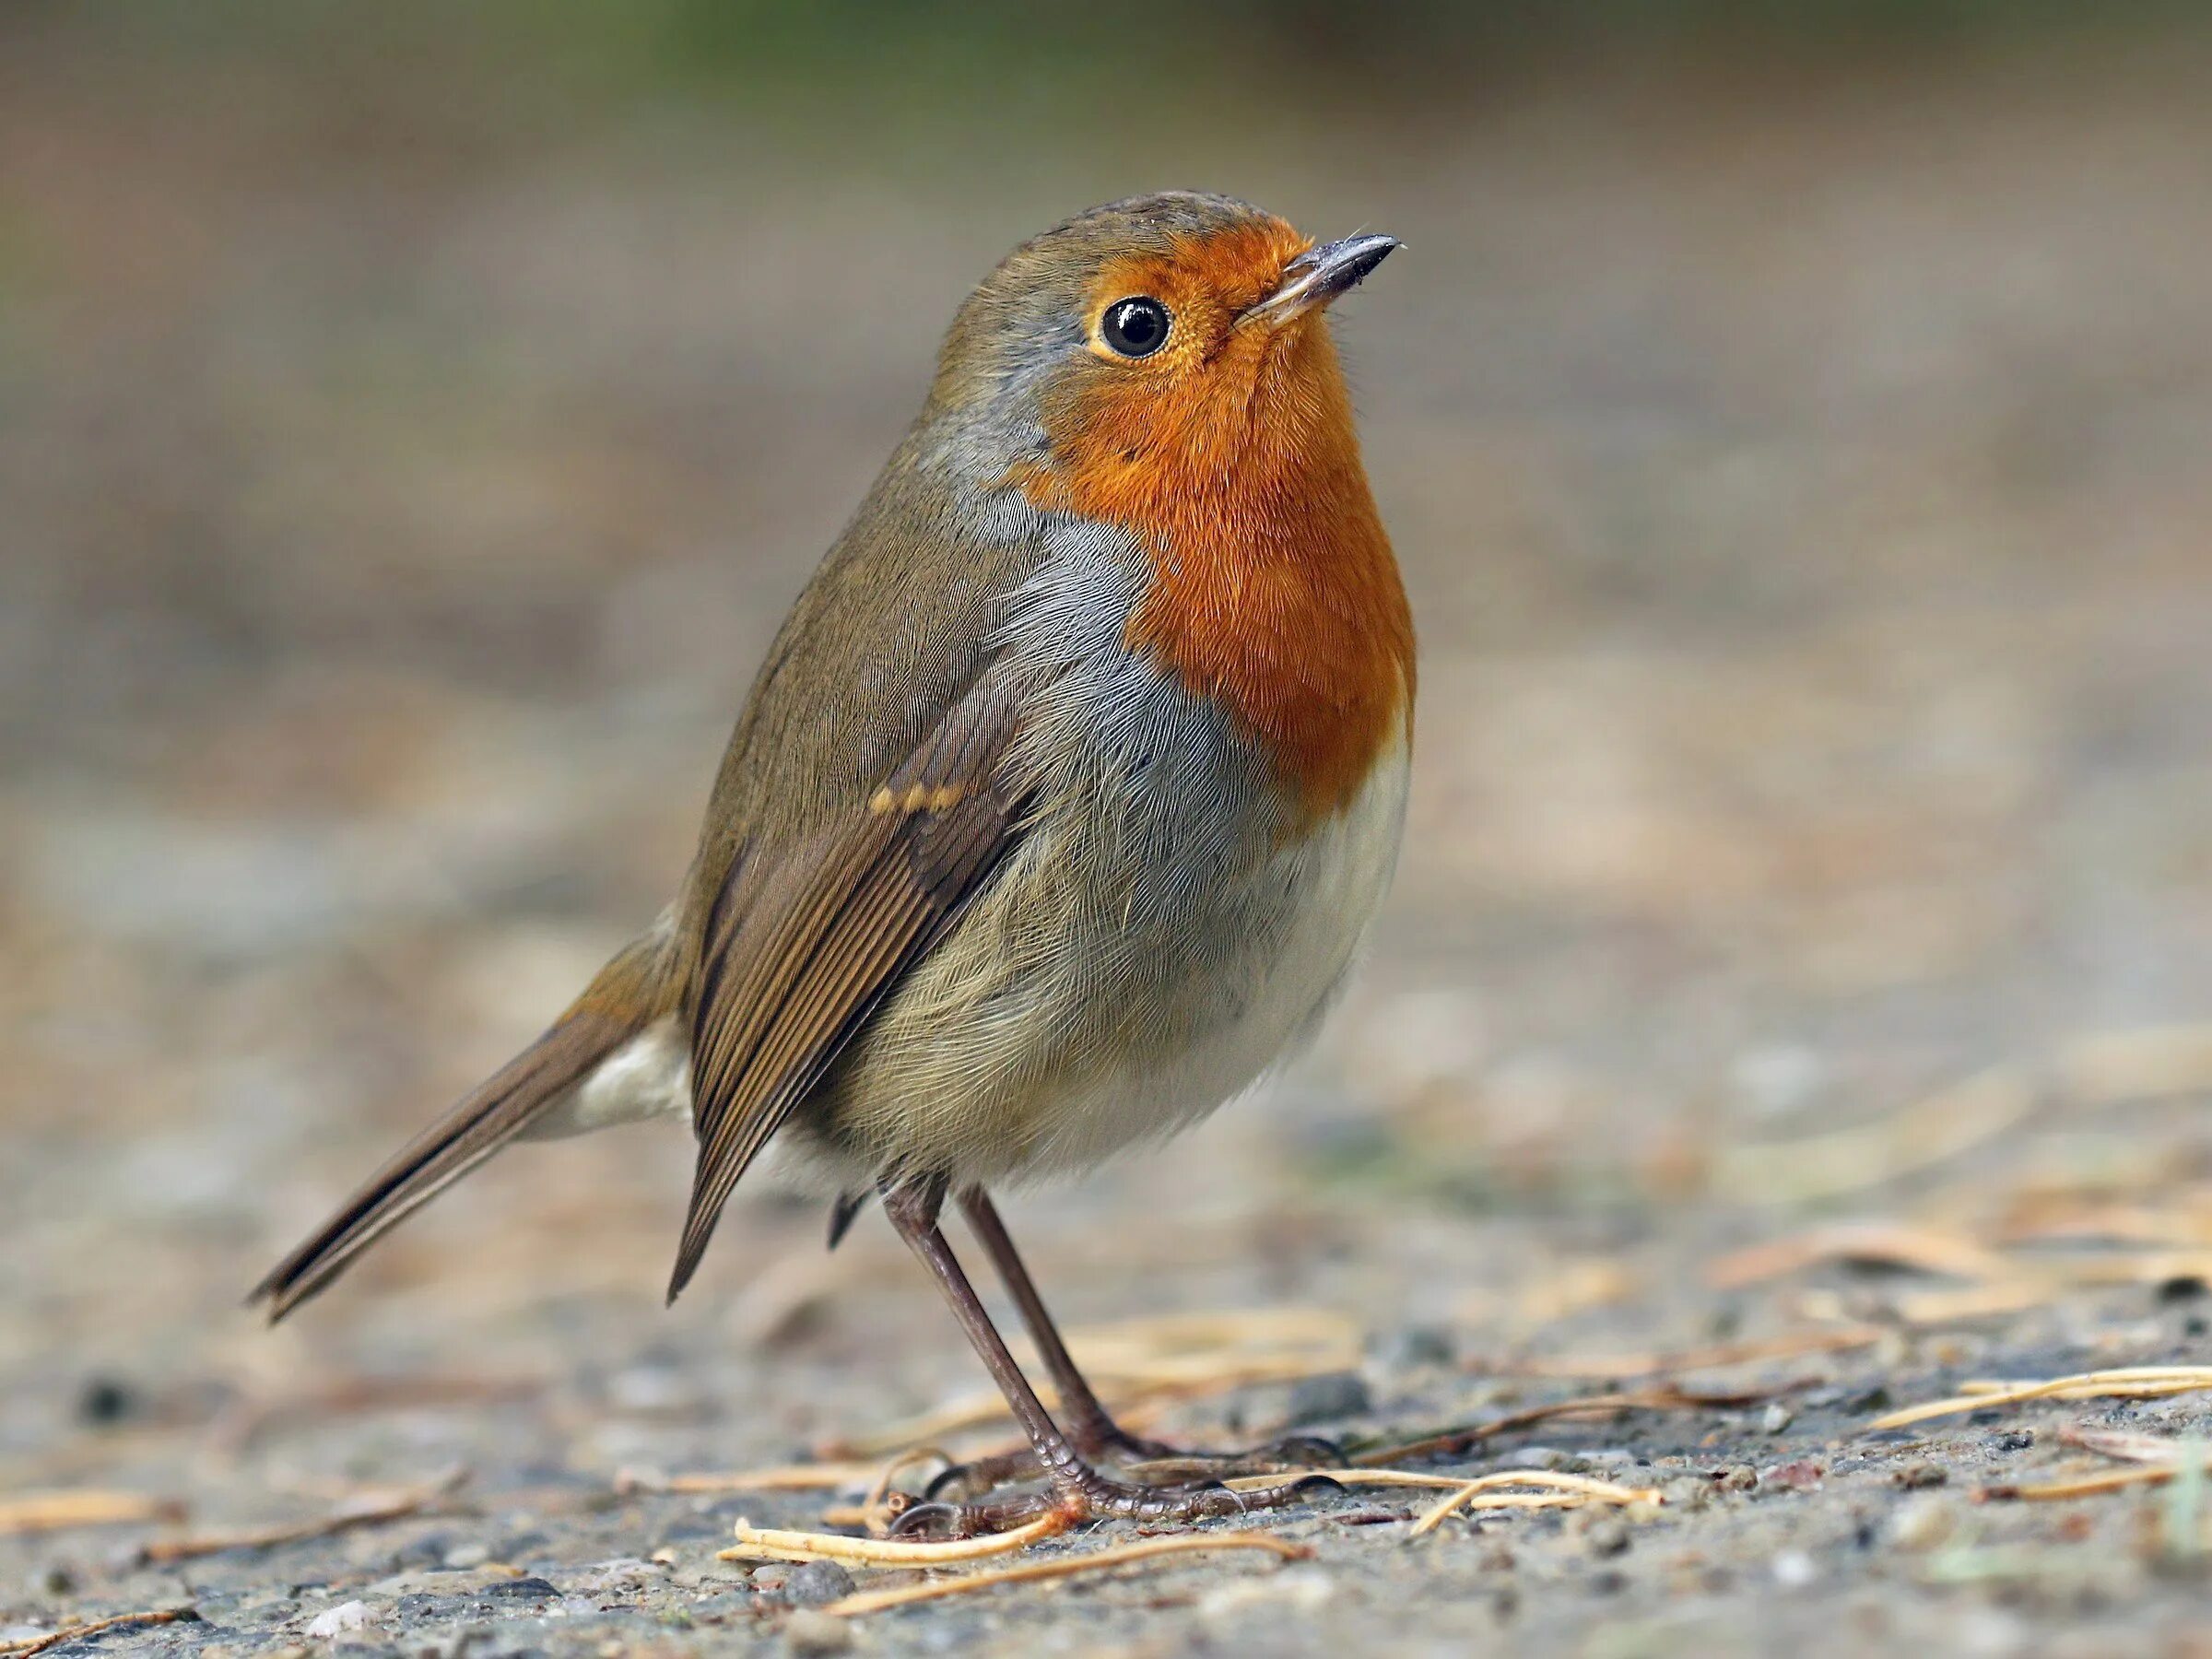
(2155, 1461)
(51, 1511)
(2129, 1383)
(1452, 1442)
(773, 1544)
(1561, 1491)
(1143, 1550)
(371, 1508)
(1952, 1121)
(1349, 1478)
(78, 1632)
(2086, 1485)
(1784, 1344)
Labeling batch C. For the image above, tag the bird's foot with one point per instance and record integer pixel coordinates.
(1150, 1461)
(1083, 1494)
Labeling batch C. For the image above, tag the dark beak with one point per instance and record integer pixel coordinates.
(1319, 274)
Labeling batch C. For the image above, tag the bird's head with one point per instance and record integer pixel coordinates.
(1163, 366)
(1171, 342)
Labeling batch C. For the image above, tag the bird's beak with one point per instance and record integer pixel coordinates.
(1319, 274)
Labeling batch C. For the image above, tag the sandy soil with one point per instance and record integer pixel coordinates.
(1802, 485)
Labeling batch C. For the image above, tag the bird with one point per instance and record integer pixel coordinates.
(1054, 817)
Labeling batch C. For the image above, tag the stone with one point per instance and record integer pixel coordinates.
(815, 1583)
(334, 1622)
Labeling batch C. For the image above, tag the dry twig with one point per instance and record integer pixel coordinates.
(1559, 1491)
(1452, 1442)
(51, 1511)
(1143, 1550)
(2159, 1061)
(78, 1632)
(2156, 1461)
(1953, 1305)
(1946, 1123)
(774, 1543)
(1785, 1345)
(2128, 1383)
(247, 1417)
(1927, 1248)
(370, 1509)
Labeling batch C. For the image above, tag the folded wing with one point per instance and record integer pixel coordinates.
(797, 957)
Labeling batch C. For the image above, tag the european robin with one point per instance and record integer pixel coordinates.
(1057, 810)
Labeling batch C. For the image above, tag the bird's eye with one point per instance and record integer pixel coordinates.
(1135, 327)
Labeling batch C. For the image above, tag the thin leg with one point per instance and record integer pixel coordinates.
(1087, 1423)
(1076, 1487)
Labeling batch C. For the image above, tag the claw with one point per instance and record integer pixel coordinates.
(955, 1475)
(923, 1516)
(981, 1475)
(1097, 1498)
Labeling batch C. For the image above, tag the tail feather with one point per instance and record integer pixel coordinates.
(620, 1003)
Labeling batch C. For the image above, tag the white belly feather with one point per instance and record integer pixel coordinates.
(1342, 871)
(1339, 875)
(649, 1076)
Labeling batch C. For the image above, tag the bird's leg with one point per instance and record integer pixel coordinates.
(1073, 1487)
(1088, 1425)
(1087, 1421)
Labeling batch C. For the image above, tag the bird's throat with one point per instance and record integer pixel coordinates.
(1274, 589)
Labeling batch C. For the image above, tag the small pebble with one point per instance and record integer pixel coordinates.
(1775, 1419)
(337, 1621)
(1799, 1475)
(813, 1583)
(521, 1589)
(463, 1556)
(1793, 1570)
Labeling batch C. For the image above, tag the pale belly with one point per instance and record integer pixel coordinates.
(1050, 1031)
(989, 1075)
(1335, 880)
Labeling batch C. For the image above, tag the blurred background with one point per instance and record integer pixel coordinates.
(1792, 414)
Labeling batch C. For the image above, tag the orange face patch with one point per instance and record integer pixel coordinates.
(1231, 453)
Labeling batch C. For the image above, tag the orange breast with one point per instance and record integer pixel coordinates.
(1273, 588)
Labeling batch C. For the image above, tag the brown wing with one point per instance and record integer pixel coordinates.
(797, 958)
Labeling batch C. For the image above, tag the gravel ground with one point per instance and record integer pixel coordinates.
(1800, 479)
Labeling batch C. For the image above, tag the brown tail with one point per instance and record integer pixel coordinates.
(618, 1006)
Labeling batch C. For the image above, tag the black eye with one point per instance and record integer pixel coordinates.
(1135, 327)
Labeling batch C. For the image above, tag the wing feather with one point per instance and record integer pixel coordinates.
(795, 966)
